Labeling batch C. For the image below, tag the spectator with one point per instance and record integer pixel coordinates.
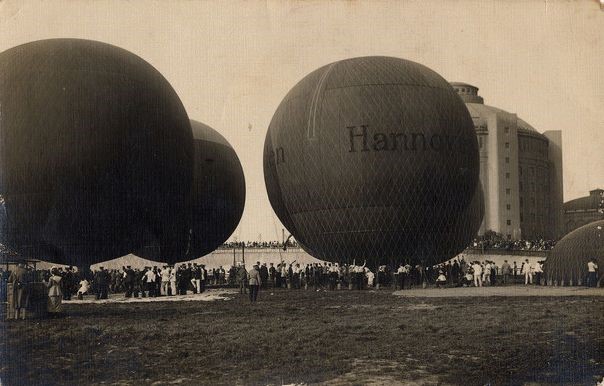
(441, 280)
(477, 270)
(527, 272)
(592, 273)
(505, 271)
(55, 296)
(253, 278)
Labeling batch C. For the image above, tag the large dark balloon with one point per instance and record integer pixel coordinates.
(566, 263)
(458, 233)
(372, 158)
(217, 195)
(96, 153)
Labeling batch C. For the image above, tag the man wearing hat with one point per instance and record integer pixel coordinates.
(264, 275)
(242, 278)
(102, 283)
(20, 280)
(253, 278)
(204, 278)
(196, 280)
(165, 280)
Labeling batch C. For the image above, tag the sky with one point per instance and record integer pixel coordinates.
(231, 62)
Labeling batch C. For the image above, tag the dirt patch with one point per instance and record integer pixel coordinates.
(308, 337)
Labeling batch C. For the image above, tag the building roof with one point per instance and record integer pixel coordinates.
(590, 202)
(462, 84)
(479, 113)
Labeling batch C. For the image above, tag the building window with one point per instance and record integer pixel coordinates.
(480, 141)
(507, 160)
(507, 145)
(509, 236)
(506, 130)
(507, 191)
(509, 222)
(507, 175)
(520, 170)
(521, 217)
(521, 202)
(520, 185)
(508, 207)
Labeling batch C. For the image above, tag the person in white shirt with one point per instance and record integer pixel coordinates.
(592, 275)
(149, 278)
(358, 274)
(538, 270)
(370, 277)
(402, 273)
(173, 280)
(441, 280)
(84, 288)
(477, 268)
(527, 271)
(486, 274)
(165, 280)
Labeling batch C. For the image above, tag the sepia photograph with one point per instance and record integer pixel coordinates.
(302, 192)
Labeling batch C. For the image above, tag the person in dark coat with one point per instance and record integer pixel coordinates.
(128, 281)
(20, 279)
(204, 278)
(264, 275)
(242, 278)
(67, 283)
(101, 278)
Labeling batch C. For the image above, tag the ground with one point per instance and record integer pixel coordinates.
(343, 337)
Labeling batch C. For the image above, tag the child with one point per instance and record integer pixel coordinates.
(441, 281)
(84, 288)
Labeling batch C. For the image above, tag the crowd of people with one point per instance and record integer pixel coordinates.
(489, 241)
(496, 241)
(66, 283)
(460, 273)
(290, 243)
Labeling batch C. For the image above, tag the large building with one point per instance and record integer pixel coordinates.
(584, 210)
(520, 172)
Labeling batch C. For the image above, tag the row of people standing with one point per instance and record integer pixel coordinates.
(296, 276)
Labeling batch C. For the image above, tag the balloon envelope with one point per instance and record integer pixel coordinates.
(218, 192)
(372, 158)
(567, 261)
(217, 195)
(96, 153)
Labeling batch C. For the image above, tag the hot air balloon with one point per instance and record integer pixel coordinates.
(373, 158)
(96, 153)
(566, 263)
(217, 196)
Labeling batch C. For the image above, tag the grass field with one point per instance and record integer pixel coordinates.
(341, 337)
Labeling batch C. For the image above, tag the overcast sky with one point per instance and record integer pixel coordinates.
(232, 62)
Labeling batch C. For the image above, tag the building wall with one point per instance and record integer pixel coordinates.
(577, 218)
(520, 172)
(483, 136)
(535, 186)
(556, 183)
(502, 172)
